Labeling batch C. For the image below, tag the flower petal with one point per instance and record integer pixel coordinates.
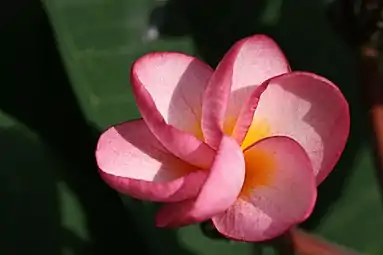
(133, 162)
(279, 192)
(168, 89)
(246, 114)
(220, 190)
(311, 110)
(246, 65)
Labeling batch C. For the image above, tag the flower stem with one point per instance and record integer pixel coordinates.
(309, 244)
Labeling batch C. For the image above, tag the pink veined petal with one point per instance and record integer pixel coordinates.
(246, 65)
(311, 110)
(133, 162)
(168, 89)
(220, 190)
(285, 198)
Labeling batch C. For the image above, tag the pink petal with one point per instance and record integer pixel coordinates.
(279, 192)
(176, 83)
(246, 114)
(168, 89)
(246, 65)
(311, 110)
(219, 192)
(133, 162)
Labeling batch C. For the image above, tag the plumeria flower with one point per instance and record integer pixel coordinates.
(244, 145)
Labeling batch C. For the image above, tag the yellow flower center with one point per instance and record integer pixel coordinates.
(260, 165)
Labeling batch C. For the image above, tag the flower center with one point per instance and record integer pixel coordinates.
(260, 169)
(260, 165)
(258, 130)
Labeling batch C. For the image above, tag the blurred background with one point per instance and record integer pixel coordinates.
(65, 78)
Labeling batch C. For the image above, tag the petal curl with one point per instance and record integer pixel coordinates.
(245, 117)
(279, 192)
(168, 89)
(133, 162)
(246, 65)
(311, 110)
(219, 192)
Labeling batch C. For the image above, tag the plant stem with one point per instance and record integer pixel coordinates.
(309, 244)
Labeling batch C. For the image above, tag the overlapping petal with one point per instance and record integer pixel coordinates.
(309, 109)
(279, 192)
(246, 65)
(246, 115)
(133, 162)
(168, 88)
(219, 192)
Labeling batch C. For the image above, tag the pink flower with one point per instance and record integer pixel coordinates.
(244, 145)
